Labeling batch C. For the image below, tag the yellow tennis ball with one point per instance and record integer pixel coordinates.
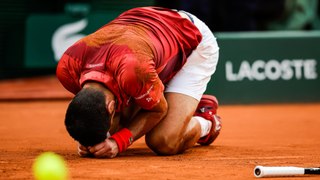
(50, 166)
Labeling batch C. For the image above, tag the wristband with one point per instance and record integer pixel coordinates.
(123, 139)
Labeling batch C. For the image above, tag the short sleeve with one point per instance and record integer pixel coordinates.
(140, 81)
(151, 96)
(68, 74)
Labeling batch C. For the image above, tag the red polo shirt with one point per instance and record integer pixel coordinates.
(133, 55)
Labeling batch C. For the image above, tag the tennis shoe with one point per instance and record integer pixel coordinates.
(207, 109)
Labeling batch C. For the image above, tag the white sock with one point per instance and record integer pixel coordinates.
(204, 124)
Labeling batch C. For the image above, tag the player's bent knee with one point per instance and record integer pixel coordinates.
(163, 144)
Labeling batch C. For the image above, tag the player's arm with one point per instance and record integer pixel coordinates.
(153, 109)
(145, 120)
(141, 82)
(142, 123)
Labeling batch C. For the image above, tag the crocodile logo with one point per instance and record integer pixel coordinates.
(66, 35)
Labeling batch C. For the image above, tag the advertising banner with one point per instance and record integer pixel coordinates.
(262, 67)
(267, 67)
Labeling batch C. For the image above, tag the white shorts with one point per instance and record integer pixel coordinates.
(194, 76)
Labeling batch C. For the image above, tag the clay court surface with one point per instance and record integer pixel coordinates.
(32, 122)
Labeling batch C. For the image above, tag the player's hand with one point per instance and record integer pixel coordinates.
(105, 149)
(83, 151)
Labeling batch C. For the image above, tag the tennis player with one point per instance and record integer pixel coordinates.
(142, 74)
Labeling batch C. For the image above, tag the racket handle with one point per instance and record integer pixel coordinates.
(262, 171)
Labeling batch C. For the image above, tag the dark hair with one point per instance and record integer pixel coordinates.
(87, 119)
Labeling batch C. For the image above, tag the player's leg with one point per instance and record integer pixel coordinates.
(183, 127)
(178, 131)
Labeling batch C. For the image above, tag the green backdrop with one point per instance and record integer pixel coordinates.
(262, 67)
(267, 67)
